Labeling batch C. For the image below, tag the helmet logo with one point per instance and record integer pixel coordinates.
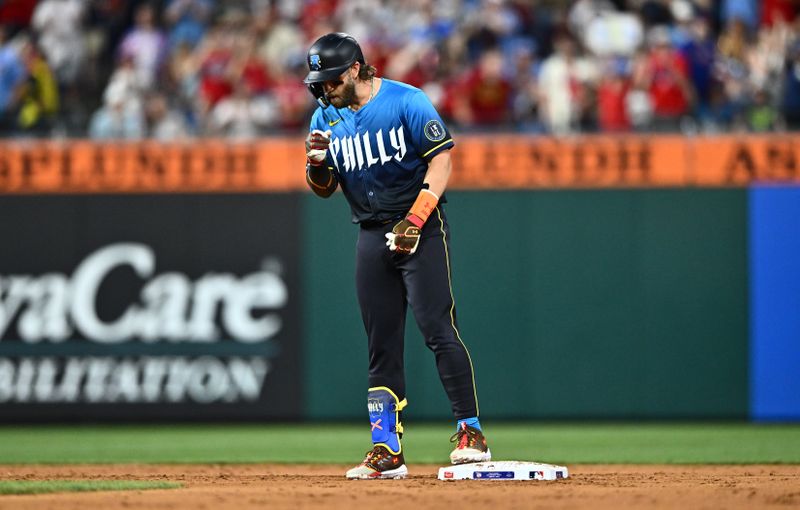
(314, 62)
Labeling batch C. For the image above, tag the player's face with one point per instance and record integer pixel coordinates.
(342, 91)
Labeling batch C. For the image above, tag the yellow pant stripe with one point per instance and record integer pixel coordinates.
(452, 310)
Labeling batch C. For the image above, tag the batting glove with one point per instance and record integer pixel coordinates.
(404, 237)
(317, 146)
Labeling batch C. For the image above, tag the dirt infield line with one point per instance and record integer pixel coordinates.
(296, 486)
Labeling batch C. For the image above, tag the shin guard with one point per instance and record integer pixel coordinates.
(384, 417)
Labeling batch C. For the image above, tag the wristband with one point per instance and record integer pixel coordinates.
(315, 175)
(423, 207)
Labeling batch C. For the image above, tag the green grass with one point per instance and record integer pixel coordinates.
(46, 486)
(735, 443)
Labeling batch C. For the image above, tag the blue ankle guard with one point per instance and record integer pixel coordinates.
(384, 417)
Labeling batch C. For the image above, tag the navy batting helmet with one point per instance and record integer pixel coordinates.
(328, 58)
(331, 55)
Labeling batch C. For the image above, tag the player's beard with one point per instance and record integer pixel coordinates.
(347, 97)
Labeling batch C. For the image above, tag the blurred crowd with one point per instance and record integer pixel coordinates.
(173, 69)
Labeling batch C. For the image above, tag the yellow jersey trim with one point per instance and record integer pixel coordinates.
(438, 146)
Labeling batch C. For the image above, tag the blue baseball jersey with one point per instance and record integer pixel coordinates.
(380, 152)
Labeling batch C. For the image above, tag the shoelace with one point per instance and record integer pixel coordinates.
(463, 437)
(375, 455)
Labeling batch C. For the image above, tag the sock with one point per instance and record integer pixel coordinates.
(471, 422)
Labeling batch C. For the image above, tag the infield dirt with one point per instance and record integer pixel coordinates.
(322, 486)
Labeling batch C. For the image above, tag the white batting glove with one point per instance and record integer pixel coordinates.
(317, 146)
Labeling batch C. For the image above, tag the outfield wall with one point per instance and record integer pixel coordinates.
(604, 278)
(603, 304)
(150, 307)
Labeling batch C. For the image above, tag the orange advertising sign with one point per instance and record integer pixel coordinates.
(479, 162)
(207, 166)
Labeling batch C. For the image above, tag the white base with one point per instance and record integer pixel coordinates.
(503, 470)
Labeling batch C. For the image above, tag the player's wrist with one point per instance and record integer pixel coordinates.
(321, 179)
(318, 174)
(415, 220)
(423, 207)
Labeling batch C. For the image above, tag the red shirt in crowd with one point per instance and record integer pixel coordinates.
(17, 12)
(487, 97)
(775, 10)
(612, 114)
(669, 74)
(214, 83)
(255, 75)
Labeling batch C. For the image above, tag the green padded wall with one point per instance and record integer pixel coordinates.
(574, 304)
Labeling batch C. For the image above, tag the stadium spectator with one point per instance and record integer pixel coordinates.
(655, 12)
(745, 11)
(564, 86)
(39, 99)
(146, 46)
(414, 64)
(778, 12)
(58, 27)
(765, 58)
(484, 97)
(699, 53)
(163, 123)
(243, 115)
(734, 40)
(613, 33)
(360, 18)
(525, 99)
(762, 116)
(118, 118)
(214, 57)
(723, 58)
(246, 66)
(182, 81)
(492, 24)
(314, 12)
(664, 74)
(125, 83)
(732, 72)
(107, 24)
(278, 37)
(638, 105)
(790, 102)
(187, 21)
(612, 97)
(294, 105)
(16, 14)
(13, 77)
(584, 12)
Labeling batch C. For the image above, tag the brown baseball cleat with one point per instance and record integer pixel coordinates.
(379, 463)
(470, 446)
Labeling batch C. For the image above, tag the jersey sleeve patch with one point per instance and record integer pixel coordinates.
(434, 131)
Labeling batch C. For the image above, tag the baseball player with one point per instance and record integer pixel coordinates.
(383, 143)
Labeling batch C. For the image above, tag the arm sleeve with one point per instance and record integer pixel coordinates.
(428, 133)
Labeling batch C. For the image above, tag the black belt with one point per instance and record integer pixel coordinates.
(378, 223)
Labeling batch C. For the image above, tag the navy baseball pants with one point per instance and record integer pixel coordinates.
(386, 283)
